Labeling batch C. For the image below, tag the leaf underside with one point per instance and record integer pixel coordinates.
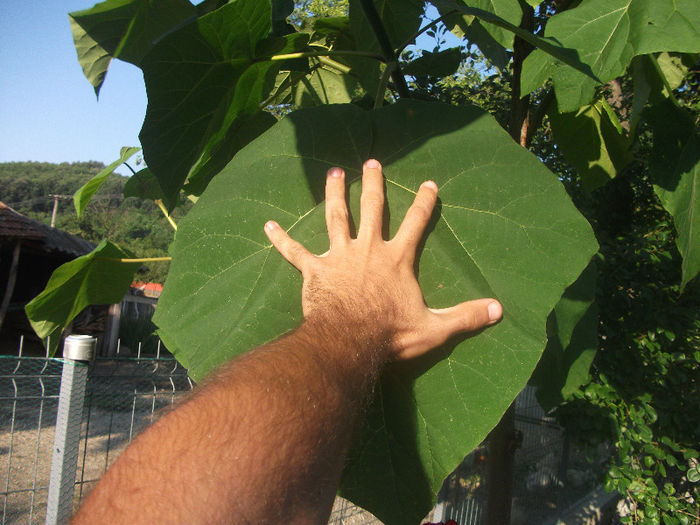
(504, 228)
(95, 278)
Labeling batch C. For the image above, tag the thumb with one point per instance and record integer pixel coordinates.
(469, 316)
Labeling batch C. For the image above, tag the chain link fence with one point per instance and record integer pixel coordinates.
(124, 395)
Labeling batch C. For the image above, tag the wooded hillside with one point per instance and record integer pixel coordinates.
(136, 225)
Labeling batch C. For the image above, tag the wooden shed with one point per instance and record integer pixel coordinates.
(29, 253)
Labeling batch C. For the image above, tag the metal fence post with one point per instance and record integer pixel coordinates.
(78, 350)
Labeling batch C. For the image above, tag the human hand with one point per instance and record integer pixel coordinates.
(367, 284)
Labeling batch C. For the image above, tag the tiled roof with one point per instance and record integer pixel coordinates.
(14, 225)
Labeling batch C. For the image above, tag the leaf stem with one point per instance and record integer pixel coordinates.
(379, 97)
(165, 212)
(335, 65)
(303, 54)
(385, 44)
(141, 260)
(130, 168)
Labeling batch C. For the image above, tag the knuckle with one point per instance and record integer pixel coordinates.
(420, 212)
(372, 198)
(337, 216)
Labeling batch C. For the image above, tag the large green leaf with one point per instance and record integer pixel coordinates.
(675, 165)
(82, 197)
(124, 29)
(607, 35)
(572, 342)
(490, 39)
(203, 81)
(547, 45)
(221, 147)
(96, 278)
(504, 228)
(592, 140)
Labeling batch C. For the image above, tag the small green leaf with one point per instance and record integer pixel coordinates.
(693, 474)
(440, 64)
(675, 164)
(572, 341)
(592, 140)
(82, 197)
(96, 278)
(690, 453)
(323, 86)
(143, 185)
(672, 68)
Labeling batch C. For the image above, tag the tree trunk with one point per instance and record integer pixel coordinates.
(500, 465)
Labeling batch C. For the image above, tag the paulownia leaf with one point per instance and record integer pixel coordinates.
(608, 34)
(547, 45)
(323, 86)
(203, 81)
(490, 39)
(218, 151)
(96, 278)
(82, 197)
(439, 64)
(592, 140)
(675, 164)
(143, 185)
(123, 29)
(504, 228)
(572, 341)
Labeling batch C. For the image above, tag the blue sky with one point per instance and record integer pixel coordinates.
(48, 109)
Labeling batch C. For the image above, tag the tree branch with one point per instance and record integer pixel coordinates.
(385, 45)
(520, 106)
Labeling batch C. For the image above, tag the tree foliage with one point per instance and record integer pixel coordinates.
(604, 92)
(136, 225)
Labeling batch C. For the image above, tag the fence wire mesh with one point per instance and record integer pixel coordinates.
(124, 395)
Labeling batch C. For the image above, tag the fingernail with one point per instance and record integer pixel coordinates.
(495, 311)
(430, 184)
(270, 225)
(372, 164)
(335, 172)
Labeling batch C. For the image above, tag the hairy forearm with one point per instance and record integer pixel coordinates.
(279, 419)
